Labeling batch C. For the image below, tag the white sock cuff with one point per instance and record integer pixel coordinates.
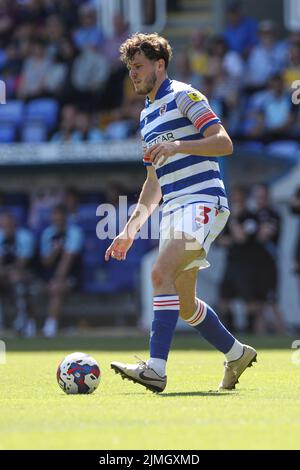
(159, 365)
(199, 315)
(166, 302)
(235, 352)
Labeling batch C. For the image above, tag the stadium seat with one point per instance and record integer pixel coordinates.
(7, 133)
(12, 112)
(44, 110)
(86, 217)
(115, 276)
(34, 132)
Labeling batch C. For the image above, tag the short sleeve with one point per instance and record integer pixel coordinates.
(195, 107)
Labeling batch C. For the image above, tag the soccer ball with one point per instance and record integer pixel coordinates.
(78, 373)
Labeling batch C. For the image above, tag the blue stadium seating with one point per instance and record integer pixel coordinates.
(12, 112)
(86, 217)
(44, 110)
(34, 132)
(7, 133)
(113, 276)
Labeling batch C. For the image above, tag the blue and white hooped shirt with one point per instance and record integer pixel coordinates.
(180, 112)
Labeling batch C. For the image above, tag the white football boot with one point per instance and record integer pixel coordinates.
(234, 369)
(142, 374)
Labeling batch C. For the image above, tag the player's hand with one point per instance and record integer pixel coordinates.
(159, 153)
(119, 247)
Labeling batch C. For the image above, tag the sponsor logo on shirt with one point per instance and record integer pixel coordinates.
(196, 96)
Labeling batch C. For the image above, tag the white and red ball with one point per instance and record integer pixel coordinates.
(78, 373)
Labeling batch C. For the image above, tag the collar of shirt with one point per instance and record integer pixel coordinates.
(163, 90)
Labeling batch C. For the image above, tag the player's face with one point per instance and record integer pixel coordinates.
(142, 72)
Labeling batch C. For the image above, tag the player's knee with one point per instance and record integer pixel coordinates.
(157, 277)
(161, 277)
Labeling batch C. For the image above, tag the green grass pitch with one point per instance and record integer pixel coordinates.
(262, 413)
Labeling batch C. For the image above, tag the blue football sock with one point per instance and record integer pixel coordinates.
(166, 313)
(207, 322)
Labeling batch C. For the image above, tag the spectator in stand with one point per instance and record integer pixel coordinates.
(63, 53)
(226, 91)
(197, 52)
(295, 209)
(276, 115)
(292, 70)
(20, 44)
(268, 234)
(112, 94)
(88, 34)
(241, 33)
(89, 74)
(111, 46)
(61, 246)
(183, 72)
(227, 69)
(217, 103)
(34, 72)
(126, 119)
(220, 59)
(66, 55)
(242, 278)
(66, 132)
(7, 22)
(17, 250)
(265, 59)
(42, 202)
(14, 54)
(54, 32)
(71, 201)
(56, 78)
(85, 130)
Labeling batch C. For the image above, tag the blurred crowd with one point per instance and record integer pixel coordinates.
(54, 251)
(56, 51)
(54, 54)
(247, 74)
(49, 249)
(251, 240)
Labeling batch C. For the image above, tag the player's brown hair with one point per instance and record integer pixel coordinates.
(154, 47)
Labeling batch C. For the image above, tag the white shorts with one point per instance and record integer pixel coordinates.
(201, 221)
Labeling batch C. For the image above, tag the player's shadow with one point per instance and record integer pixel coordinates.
(210, 393)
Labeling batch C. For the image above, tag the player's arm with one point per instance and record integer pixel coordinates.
(215, 143)
(213, 139)
(149, 199)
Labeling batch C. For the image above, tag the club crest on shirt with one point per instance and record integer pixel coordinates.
(162, 109)
(196, 96)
